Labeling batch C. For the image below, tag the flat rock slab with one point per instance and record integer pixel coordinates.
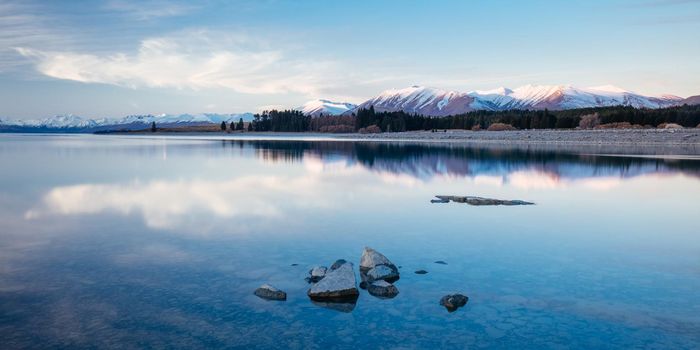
(452, 302)
(269, 292)
(382, 289)
(478, 201)
(338, 284)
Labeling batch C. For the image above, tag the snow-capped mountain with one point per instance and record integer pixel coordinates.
(317, 107)
(420, 100)
(76, 123)
(437, 102)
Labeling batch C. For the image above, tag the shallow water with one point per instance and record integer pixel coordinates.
(110, 241)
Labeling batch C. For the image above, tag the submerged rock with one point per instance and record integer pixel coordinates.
(441, 262)
(337, 264)
(337, 284)
(269, 292)
(382, 289)
(316, 274)
(421, 272)
(453, 301)
(371, 258)
(471, 200)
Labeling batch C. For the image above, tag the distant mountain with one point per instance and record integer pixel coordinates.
(692, 100)
(437, 102)
(325, 107)
(72, 123)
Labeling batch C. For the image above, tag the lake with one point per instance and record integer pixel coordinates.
(159, 242)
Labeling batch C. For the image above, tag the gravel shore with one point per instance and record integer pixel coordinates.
(578, 137)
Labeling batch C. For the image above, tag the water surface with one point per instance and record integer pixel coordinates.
(110, 241)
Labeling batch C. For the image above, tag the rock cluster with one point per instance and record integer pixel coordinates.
(378, 274)
(336, 287)
(478, 200)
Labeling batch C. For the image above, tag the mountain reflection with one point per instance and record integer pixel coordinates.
(429, 160)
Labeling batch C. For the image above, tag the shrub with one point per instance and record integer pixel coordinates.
(500, 127)
(589, 121)
(669, 126)
(372, 129)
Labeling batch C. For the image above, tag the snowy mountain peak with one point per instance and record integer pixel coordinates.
(325, 107)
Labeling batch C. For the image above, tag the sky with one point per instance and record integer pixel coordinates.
(114, 58)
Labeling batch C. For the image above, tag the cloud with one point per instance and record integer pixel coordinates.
(148, 10)
(189, 60)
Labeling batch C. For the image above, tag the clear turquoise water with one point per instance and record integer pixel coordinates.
(111, 241)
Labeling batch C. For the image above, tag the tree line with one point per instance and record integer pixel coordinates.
(296, 121)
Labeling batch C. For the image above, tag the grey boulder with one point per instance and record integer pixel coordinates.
(454, 301)
(382, 272)
(269, 292)
(382, 289)
(371, 258)
(337, 284)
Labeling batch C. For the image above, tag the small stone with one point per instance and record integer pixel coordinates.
(269, 292)
(454, 301)
(441, 262)
(421, 272)
(295, 264)
(316, 274)
(382, 289)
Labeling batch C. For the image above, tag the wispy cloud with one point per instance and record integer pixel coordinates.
(148, 10)
(190, 60)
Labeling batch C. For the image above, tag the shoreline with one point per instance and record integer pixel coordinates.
(608, 141)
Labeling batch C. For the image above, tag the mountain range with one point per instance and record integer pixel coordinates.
(437, 102)
(415, 99)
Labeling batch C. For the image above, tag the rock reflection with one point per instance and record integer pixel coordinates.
(341, 306)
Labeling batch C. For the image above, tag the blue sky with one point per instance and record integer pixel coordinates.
(116, 57)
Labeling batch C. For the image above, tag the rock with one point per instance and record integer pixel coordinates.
(269, 292)
(471, 200)
(316, 274)
(337, 284)
(337, 264)
(421, 272)
(382, 272)
(453, 301)
(371, 258)
(295, 264)
(382, 289)
(441, 262)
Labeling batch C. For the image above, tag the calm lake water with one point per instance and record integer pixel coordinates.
(115, 241)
